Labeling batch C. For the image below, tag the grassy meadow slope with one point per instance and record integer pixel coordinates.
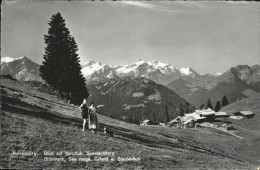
(33, 120)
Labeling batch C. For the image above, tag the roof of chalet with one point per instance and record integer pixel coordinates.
(175, 120)
(184, 118)
(246, 113)
(221, 114)
(187, 121)
(146, 121)
(205, 112)
(194, 116)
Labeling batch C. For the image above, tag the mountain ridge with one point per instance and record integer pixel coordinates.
(138, 98)
(21, 68)
(231, 83)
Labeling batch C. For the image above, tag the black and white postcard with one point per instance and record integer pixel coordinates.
(130, 85)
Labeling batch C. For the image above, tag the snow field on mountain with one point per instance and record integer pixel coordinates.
(138, 94)
(127, 107)
(156, 96)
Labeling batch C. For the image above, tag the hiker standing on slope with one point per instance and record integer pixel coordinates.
(84, 112)
(93, 119)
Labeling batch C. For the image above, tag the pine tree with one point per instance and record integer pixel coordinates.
(224, 101)
(209, 105)
(218, 106)
(193, 109)
(187, 107)
(61, 68)
(136, 119)
(181, 110)
(167, 119)
(131, 117)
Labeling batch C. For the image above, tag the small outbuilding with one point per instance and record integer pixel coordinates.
(145, 122)
(246, 114)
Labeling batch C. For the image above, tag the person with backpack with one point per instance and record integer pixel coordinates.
(84, 113)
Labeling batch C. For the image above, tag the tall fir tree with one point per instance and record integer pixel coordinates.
(61, 68)
(154, 117)
(131, 117)
(187, 107)
(167, 119)
(224, 101)
(209, 105)
(202, 106)
(136, 119)
(181, 110)
(218, 106)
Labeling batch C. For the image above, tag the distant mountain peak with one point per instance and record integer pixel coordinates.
(89, 63)
(241, 67)
(139, 62)
(24, 57)
(21, 68)
(159, 64)
(256, 65)
(8, 59)
(188, 72)
(256, 68)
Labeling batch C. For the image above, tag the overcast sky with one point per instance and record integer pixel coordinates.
(209, 37)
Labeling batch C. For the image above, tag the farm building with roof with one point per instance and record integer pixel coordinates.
(246, 114)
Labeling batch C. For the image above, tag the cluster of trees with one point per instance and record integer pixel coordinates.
(218, 106)
(162, 114)
(133, 118)
(61, 67)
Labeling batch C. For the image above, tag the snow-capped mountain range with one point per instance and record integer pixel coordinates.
(159, 72)
(186, 82)
(24, 69)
